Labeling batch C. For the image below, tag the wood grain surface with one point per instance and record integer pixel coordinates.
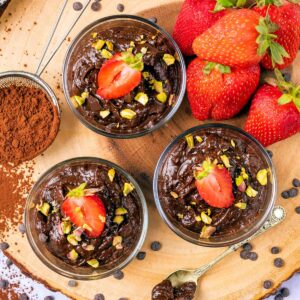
(22, 38)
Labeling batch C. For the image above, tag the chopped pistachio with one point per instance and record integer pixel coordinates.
(238, 157)
(128, 188)
(87, 227)
(199, 139)
(93, 263)
(111, 174)
(142, 42)
(117, 240)
(74, 102)
(142, 98)
(188, 207)
(72, 239)
(118, 219)
(77, 99)
(158, 86)
(94, 35)
(102, 218)
(174, 195)
(205, 218)
(66, 227)
(72, 255)
(109, 45)
(132, 44)
(241, 205)
(144, 50)
(262, 176)
(88, 247)
(44, 208)
(106, 54)
(121, 211)
(127, 114)
(153, 37)
(146, 75)
(250, 192)
(84, 95)
(104, 113)
(180, 216)
(207, 231)
(98, 45)
(240, 183)
(169, 59)
(193, 203)
(130, 49)
(198, 218)
(209, 211)
(232, 143)
(190, 140)
(244, 174)
(161, 97)
(225, 161)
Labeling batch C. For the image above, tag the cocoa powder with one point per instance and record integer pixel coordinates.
(28, 123)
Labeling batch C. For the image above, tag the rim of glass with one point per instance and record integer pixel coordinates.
(203, 242)
(103, 273)
(163, 121)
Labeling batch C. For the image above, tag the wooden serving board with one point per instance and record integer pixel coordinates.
(233, 278)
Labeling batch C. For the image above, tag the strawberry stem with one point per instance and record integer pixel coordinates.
(223, 4)
(133, 61)
(77, 192)
(212, 65)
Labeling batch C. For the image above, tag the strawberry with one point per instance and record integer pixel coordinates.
(194, 18)
(85, 209)
(286, 16)
(275, 112)
(219, 92)
(214, 184)
(239, 39)
(119, 75)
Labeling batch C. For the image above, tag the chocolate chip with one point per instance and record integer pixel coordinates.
(268, 284)
(275, 250)
(99, 297)
(285, 292)
(141, 255)
(3, 284)
(296, 182)
(43, 238)
(72, 283)
(77, 6)
(153, 20)
(270, 153)
(120, 7)
(155, 246)
(293, 192)
(22, 228)
(297, 209)
(4, 246)
(96, 6)
(253, 256)
(23, 297)
(278, 262)
(49, 298)
(247, 247)
(278, 297)
(245, 254)
(9, 262)
(118, 275)
(285, 195)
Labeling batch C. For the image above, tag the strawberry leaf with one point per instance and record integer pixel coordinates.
(212, 65)
(223, 4)
(285, 99)
(77, 192)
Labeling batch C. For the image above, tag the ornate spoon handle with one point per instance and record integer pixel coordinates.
(277, 216)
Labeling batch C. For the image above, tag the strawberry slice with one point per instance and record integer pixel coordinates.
(214, 184)
(119, 75)
(86, 210)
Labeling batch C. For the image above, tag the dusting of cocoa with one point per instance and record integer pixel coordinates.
(28, 123)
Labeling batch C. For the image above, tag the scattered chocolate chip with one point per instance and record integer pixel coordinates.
(99, 297)
(293, 192)
(4, 246)
(153, 20)
(96, 6)
(120, 7)
(22, 228)
(49, 298)
(270, 153)
(8, 262)
(247, 247)
(23, 297)
(253, 256)
(297, 209)
(77, 6)
(296, 182)
(245, 254)
(285, 195)
(268, 284)
(43, 238)
(278, 297)
(72, 283)
(141, 255)
(155, 246)
(118, 275)
(3, 284)
(275, 250)
(278, 262)
(285, 292)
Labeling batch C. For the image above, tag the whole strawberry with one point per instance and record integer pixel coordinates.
(275, 112)
(239, 39)
(219, 92)
(195, 17)
(286, 16)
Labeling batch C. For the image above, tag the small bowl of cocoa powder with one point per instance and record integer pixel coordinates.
(29, 117)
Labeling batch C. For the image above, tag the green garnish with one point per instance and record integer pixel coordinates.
(106, 54)
(241, 205)
(190, 140)
(205, 218)
(104, 113)
(169, 59)
(111, 174)
(127, 114)
(127, 189)
(44, 208)
(250, 192)
(262, 176)
(118, 219)
(161, 97)
(98, 45)
(121, 211)
(142, 98)
(93, 263)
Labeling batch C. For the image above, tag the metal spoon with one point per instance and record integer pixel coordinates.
(179, 277)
